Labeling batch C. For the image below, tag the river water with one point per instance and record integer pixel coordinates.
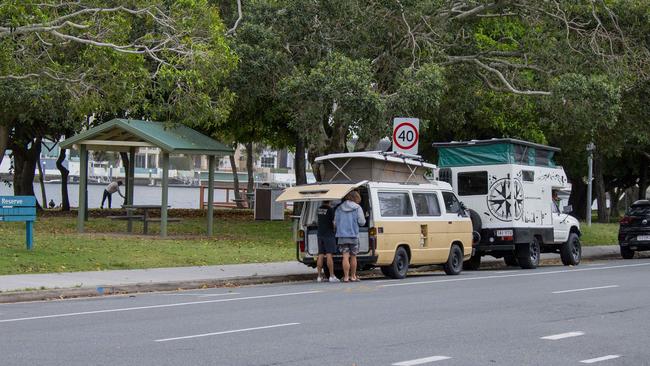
(179, 197)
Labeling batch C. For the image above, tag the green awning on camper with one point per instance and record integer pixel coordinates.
(493, 152)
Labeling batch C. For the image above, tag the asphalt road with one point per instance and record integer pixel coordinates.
(595, 313)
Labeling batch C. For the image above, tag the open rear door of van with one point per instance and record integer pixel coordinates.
(315, 193)
(318, 192)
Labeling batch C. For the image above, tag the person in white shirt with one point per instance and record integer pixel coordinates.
(108, 192)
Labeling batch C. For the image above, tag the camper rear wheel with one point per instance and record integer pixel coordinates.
(571, 251)
(454, 263)
(400, 265)
(528, 254)
(473, 263)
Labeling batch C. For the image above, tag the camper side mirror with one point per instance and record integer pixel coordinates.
(567, 209)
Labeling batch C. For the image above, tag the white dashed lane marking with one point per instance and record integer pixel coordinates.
(556, 337)
(599, 359)
(225, 332)
(585, 289)
(421, 361)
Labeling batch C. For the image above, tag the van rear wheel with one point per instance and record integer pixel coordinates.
(454, 263)
(400, 265)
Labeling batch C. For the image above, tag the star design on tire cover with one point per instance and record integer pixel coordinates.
(500, 199)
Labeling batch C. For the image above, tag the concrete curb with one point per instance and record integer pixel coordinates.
(67, 293)
(53, 294)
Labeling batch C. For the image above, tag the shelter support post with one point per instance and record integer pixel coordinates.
(210, 194)
(165, 192)
(130, 177)
(83, 183)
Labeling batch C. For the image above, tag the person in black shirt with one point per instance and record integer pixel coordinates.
(326, 241)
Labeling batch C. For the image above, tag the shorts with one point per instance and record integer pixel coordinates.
(326, 245)
(349, 245)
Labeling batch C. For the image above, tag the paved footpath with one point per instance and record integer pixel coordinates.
(160, 279)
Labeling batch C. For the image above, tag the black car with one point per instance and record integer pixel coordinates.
(634, 232)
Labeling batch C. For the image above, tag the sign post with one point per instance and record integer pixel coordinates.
(406, 135)
(17, 209)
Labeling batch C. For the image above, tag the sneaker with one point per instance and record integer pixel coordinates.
(334, 279)
(319, 279)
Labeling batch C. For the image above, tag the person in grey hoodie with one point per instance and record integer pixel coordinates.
(348, 217)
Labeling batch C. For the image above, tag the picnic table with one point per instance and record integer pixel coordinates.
(145, 218)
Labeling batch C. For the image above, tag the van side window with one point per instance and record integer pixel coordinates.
(472, 183)
(426, 204)
(451, 202)
(395, 204)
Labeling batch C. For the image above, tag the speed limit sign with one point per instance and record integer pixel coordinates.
(406, 135)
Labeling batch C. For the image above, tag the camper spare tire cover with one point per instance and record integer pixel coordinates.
(477, 224)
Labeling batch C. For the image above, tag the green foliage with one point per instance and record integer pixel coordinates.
(334, 101)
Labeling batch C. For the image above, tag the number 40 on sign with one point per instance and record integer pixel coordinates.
(406, 135)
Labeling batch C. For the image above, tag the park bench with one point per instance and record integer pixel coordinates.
(130, 217)
(20, 209)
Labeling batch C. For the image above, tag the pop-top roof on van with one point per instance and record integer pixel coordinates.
(493, 152)
(376, 166)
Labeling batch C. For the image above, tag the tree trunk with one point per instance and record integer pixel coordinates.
(41, 179)
(251, 173)
(614, 200)
(300, 168)
(300, 165)
(65, 199)
(601, 193)
(643, 177)
(25, 159)
(578, 198)
(4, 140)
(235, 180)
(125, 162)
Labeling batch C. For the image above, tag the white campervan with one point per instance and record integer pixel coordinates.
(508, 186)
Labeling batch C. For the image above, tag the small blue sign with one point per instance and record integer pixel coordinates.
(18, 201)
(20, 209)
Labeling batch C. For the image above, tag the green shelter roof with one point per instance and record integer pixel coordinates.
(122, 134)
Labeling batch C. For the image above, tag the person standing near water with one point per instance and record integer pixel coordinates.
(108, 192)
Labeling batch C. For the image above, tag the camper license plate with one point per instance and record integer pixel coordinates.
(643, 238)
(504, 232)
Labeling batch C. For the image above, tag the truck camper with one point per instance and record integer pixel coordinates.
(410, 220)
(509, 187)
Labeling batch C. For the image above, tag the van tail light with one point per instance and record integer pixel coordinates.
(625, 220)
(507, 238)
(301, 240)
(372, 239)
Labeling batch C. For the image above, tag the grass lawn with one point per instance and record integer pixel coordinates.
(599, 234)
(58, 247)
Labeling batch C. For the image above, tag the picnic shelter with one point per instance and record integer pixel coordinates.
(127, 135)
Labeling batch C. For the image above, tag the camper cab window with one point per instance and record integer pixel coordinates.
(395, 204)
(472, 183)
(452, 205)
(426, 204)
